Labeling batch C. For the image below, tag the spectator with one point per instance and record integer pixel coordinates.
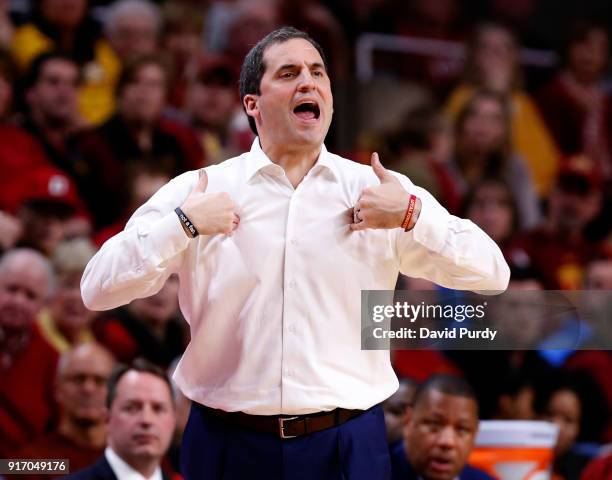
(52, 117)
(215, 112)
(148, 327)
(64, 25)
(491, 205)
(563, 400)
(27, 362)
(575, 104)
(66, 322)
(49, 202)
(483, 149)
(439, 433)
(136, 134)
(141, 422)
(559, 249)
(132, 27)
(395, 408)
(523, 319)
(80, 436)
(493, 64)
(516, 399)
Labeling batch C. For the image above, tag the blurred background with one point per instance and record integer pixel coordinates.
(502, 109)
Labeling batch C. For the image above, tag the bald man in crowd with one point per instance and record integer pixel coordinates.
(27, 362)
(82, 376)
(439, 433)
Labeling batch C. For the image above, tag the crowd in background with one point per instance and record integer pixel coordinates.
(505, 117)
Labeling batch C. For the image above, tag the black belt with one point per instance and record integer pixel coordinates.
(285, 426)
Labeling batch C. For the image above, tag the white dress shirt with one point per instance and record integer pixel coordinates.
(274, 309)
(124, 471)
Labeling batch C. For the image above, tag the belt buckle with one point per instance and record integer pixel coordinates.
(281, 427)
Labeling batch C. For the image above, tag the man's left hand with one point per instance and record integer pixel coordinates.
(384, 205)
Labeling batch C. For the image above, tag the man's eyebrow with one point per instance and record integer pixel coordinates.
(289, 66)
(286, 66)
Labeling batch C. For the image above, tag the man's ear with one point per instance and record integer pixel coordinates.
(250, 105)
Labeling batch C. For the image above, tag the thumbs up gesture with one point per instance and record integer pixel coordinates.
(211, 213)
(383, 205)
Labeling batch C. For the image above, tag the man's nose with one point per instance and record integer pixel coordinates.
(306, 82)
(89, 385)
(21, 297)
(447, 437)
(147, 415)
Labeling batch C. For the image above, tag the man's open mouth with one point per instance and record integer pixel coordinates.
(440, 464)
(307, 111)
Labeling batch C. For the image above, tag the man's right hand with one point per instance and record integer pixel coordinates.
(211, 213)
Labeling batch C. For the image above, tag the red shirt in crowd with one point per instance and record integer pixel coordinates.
(20, 154)
(27, 405)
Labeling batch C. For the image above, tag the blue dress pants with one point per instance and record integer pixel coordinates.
(216, 450)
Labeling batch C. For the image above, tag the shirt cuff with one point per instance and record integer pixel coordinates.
(168, 237)
(430, 229)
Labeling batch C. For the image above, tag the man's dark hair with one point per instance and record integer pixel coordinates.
(139, 365)
(253, 67)
(38, 64)
(448, 384)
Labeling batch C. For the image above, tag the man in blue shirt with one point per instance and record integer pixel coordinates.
(439, 433)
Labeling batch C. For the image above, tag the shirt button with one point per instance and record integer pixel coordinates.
(292, 328)
(292, 284)
(293, 241)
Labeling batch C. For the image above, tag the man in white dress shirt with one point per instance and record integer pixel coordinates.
(272, 249)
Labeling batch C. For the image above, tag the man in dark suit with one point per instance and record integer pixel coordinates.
(140, 425)
(439, 433)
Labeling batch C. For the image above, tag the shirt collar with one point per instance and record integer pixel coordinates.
(257, 160)
(123, 471)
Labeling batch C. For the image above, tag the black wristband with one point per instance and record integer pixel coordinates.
(188, 225)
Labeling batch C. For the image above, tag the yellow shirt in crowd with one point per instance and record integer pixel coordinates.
(99, 76)
(530, 136)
